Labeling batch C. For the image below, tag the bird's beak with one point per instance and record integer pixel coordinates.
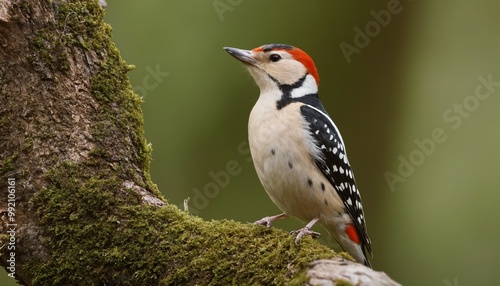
(244, 56)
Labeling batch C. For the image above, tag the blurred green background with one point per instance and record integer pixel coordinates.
(414, 87)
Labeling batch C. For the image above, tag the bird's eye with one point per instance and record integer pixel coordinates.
(275, 57)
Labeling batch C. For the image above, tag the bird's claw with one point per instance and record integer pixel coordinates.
(264, 221)
(305, 231)
(269, 219)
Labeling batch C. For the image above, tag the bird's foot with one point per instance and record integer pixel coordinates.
(305, 231)
(269, 219)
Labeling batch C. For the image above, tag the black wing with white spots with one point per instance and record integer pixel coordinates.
(334, 164)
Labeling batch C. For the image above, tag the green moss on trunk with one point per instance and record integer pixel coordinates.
(101, 237)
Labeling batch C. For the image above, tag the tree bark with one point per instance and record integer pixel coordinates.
(77, 203)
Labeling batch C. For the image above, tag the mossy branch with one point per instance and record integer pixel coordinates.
(82, 209)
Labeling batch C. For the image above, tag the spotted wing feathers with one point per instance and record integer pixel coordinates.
(335, 165)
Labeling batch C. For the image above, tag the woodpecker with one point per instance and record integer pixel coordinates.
(297, 150)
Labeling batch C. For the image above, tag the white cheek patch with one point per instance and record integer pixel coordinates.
(263, 81)
(286, 71)
(308, 87)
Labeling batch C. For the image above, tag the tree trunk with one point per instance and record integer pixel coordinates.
(77, 203)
